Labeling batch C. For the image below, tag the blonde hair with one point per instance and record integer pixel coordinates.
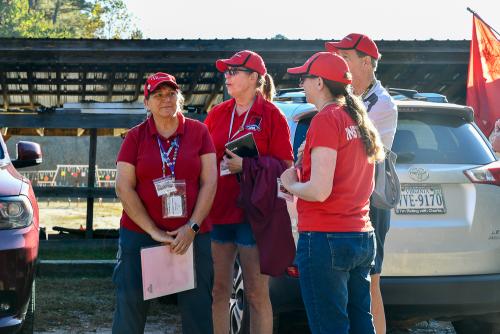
(369, 135)
(265, 84)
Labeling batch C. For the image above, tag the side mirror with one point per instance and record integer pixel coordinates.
(28, 154)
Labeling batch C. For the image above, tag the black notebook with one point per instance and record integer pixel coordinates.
(244, 146)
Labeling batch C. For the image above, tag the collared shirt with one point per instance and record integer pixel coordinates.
(272, 136)
(140, 148)
(347, 207)
(383, 112)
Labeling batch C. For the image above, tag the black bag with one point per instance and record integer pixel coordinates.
(387, 188)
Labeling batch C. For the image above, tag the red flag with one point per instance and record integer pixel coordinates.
(483, 84)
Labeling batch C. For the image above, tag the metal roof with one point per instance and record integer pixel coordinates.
(51, 72)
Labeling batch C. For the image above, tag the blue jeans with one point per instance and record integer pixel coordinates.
(334, 276)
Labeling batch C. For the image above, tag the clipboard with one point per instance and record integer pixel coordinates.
(165, 273)
(244, 146)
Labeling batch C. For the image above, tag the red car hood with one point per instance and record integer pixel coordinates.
(10, 185)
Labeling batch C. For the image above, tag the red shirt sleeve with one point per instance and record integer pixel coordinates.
(280, 146)
(207, 145)
(208, 120)
(128, 150)
(324, 131)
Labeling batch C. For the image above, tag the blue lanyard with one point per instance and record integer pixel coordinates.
(174, 144)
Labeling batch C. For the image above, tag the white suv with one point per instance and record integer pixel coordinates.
(442, 252)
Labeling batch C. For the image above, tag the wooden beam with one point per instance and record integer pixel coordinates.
(196, 77)
(83, 83)
(82, 192)
(110, 86)
(91, 184)
(58, 89)
(210, 100)
(139, 83)
(29, 76)
(5, 90)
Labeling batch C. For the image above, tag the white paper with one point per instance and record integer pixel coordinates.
(174, 203)
(165, 273)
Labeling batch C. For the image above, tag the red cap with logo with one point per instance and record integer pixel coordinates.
(359, 42)
(245, 58)
(327, 65)
(156, 79)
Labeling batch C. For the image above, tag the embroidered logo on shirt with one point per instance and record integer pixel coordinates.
(352, 132)
(370, 101)
(254, 124)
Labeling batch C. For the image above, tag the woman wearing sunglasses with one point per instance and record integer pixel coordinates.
(336, 247)
(248, 111)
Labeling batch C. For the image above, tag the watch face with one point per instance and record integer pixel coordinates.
(195, 227)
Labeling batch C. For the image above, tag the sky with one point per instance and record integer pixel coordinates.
(311, 19)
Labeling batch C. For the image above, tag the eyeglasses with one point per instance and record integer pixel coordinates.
(303, 77)
(233, 71)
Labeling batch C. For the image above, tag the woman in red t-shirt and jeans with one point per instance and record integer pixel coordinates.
(336, 246)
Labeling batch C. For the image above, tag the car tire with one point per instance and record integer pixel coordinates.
(473, 326)
(239, 322)
(29, 319)
(239, 313)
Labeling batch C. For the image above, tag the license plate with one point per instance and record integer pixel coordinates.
(420, 199)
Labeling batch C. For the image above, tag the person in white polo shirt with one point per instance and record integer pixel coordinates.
(362, 56)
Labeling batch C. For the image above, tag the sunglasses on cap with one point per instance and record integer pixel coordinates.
(303, 77)
(233, 71)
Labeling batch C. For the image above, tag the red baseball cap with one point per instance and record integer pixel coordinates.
(245, 58)
(327, 65)
(359, 42)
(156, 79)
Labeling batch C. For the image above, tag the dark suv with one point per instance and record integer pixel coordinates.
(442, 254)
(19, 235)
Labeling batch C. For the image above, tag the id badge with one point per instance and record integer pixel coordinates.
(174, 203)
(164, 185)
(283, 193)
(224, 169)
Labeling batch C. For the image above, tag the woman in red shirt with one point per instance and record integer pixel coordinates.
(166, 180)
(249, 111)
(336, 246)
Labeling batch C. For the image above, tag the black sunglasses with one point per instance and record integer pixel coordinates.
(234, 71)
(304, 77)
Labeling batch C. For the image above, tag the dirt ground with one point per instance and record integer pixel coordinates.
(85, 305)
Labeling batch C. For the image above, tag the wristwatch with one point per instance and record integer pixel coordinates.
(195, 227)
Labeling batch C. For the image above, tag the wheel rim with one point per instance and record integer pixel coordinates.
(236, 302)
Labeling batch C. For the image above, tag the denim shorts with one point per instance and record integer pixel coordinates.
(240, 234)
(381, 221)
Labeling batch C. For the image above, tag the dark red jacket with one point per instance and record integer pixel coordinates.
(267, 214)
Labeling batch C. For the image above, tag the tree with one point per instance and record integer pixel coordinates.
(66, 19)
(279, 36)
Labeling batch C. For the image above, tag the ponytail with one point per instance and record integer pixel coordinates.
(356, 110)
(266, 86)
(369, 135)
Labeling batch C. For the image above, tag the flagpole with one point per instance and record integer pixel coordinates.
(479, 17)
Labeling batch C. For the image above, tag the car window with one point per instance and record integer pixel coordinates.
(300, 134)
(442, 139)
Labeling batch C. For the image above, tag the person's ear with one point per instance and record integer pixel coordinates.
(320, 83)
